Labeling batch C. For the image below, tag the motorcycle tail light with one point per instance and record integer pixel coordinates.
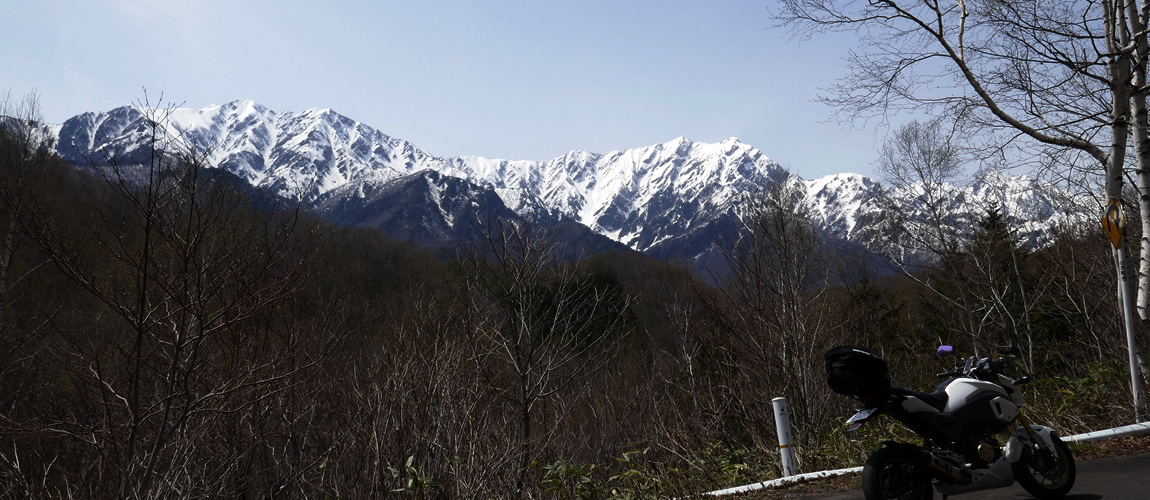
(866, 398)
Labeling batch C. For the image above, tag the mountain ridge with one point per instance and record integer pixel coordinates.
(668, 199)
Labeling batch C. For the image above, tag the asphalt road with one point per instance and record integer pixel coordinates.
(1117, 478)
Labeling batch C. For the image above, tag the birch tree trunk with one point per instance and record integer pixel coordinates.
(1137, 43)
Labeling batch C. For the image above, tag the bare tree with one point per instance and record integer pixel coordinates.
(1059, 74)
(926, 231)
(780, 316)
(26, 151)
(920, 218)
(544, 321)
(189, 277)
(1067, 76)
(25, 161)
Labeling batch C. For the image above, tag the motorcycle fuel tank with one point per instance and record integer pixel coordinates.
(962, 392)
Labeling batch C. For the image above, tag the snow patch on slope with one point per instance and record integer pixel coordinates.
(641, 197)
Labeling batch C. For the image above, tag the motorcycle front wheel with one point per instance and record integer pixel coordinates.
(891, 473)
(1045, 474)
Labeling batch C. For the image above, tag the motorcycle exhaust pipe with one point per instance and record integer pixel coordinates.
(946, 470)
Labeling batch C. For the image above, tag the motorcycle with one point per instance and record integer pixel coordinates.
(960, 424)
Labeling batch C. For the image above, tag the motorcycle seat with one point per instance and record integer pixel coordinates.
(936, 399)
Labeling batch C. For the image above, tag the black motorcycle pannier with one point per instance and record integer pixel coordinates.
(855, 370)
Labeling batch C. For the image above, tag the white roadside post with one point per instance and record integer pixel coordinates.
(783, 424)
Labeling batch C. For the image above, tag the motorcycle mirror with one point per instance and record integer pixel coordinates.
(945, 350)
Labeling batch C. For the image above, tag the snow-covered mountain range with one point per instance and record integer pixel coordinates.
(668, 200)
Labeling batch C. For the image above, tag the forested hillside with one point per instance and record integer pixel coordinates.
(165, 335)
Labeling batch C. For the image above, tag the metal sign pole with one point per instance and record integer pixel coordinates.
(1127, 311)
(1114, 222)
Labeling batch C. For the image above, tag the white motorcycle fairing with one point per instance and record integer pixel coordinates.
(1000, 474)
(962, 391)
(1021, 438)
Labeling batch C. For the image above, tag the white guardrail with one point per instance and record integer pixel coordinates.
(1117, 432)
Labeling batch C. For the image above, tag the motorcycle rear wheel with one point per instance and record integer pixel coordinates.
(1043, 474)
(890, 472)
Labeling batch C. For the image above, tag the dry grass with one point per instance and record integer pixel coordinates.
(1120, 447)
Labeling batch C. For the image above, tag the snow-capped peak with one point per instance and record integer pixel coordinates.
(306, 155)
(646, 197)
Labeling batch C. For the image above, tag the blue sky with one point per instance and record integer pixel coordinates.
(525, 80)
